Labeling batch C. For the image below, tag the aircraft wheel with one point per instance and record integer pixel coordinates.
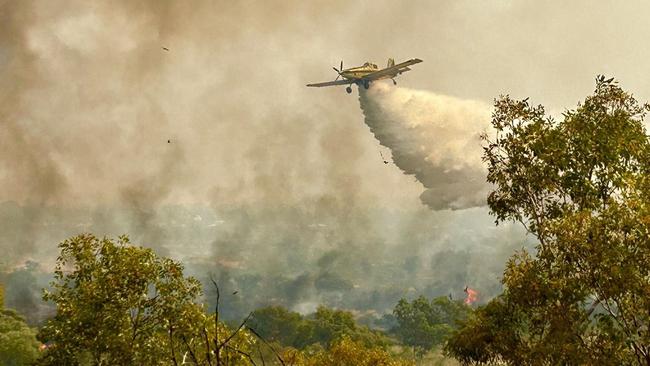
(366, 84)
(348, 89)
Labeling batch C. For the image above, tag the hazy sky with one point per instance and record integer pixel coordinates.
(89, 93)
(89, 99)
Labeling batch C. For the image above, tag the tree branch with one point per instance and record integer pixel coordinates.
(189, 349)
(171, 343)
(277, 355)
(242, 353)
(217, 349)
(236, 331)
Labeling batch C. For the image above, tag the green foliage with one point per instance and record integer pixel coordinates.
(344, 352)
(423, 324)
(582, 187)
(18, 344)
(323, 327)
(276, 323)
(119, 304)
(332, 324)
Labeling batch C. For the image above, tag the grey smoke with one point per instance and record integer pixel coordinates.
(296, 206)
(23, 287)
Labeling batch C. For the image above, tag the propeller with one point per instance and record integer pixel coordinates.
(338, 71)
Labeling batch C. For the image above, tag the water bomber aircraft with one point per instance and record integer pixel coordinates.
(363, 75)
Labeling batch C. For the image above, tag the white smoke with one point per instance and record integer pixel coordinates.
(434, 137)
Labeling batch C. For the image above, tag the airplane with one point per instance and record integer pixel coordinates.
(367, 73)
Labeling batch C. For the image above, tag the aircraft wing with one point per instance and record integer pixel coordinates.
(332, 83)
(393, 70)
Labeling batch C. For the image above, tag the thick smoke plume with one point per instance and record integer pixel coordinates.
(212, 151)
(435, 138)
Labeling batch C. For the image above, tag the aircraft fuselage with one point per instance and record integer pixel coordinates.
(369, 72)
(357, 73)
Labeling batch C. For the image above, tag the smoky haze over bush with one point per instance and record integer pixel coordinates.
(289, 256)
(267, 184)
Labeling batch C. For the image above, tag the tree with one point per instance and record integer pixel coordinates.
(423, 324)
(325, 326)
(344, 352)
(119, 304)
(18, 344)
(276, 323)
(331, 324)
(582, 188)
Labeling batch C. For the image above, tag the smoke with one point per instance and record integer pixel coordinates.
(276, 189)
(433, 137)
(23, 287)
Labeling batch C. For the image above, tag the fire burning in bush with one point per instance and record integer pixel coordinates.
(472, 296)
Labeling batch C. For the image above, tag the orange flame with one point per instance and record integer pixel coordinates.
(472, 296)
(45, 346)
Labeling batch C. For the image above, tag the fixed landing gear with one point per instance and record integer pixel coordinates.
(394, 82)
(366, 84)
(348, 89)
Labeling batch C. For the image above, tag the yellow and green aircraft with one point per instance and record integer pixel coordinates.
(363, 75)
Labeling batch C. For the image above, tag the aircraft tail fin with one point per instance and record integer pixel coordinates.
(391, 62)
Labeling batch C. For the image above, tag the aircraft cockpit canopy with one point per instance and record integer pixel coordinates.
(371, 65)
